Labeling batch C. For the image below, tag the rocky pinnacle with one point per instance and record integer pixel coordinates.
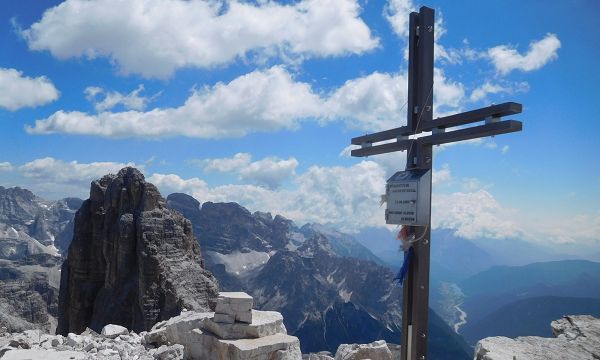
(132, 261)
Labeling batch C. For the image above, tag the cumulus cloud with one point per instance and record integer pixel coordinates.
(266, 100)
(130, 101)
(345, 196)
(397, 13)
(231, 164)
(474, 215)
(18, 91)
(58, 171)
(270, 171)
(154, 38)
(263, 100)
(373, 102)
(482, 91)
(58, 178)
(506, 58)
(6, 166)
(441, 176)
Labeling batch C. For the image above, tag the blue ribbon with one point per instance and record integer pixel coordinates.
(405, 266)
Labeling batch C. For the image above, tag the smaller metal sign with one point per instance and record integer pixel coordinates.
(408, 195)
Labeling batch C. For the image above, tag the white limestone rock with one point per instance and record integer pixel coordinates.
(273, 347)
(174, 352)
(234, 304)
(376, 350)
(264, 323)
(396, 351)
(74, 340)
(177, 330)
(224, 318)
(323, 355)
(577, 337)
(112, 331)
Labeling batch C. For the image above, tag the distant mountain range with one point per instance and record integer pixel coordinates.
(329, 288)
(33, 234)
(529, 317)
(512, 290)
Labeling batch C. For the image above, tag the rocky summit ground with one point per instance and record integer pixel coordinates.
(576, 337)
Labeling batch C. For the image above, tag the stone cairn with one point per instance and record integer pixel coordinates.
(233, 332)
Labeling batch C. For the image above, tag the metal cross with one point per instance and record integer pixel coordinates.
(419, 157)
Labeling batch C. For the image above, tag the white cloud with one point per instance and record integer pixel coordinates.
(266, 100)
(345, 196)
(397, 13)
(263, 100)
(448, 94)
(373, 102)
(505, 149)
(506, 58)
(474, 214)
(481, 92)
(474, 184)
(232, 164)
(441, 176)
(57, 176)
(270, 171)
(348, 198)
(18, 91)
(154, 38)
(6, 166)
(130, 101)
(581, 229)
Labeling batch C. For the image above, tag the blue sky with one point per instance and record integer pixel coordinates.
(256, 102)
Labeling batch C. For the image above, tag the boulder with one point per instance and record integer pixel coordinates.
(376, 350)
(112, 331)
(576, 337)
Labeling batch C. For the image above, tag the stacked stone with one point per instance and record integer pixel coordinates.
(232, 307)
(233, 332)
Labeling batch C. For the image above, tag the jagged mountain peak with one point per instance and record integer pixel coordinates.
(184, 200)
(317, 245)
(132, 261)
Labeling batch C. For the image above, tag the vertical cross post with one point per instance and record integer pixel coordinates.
(419, 115)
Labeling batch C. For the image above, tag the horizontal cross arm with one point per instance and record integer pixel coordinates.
(505, 109)
(400, 145)
(474, 132)
(491, 129)
(468, 117)
(381, 136)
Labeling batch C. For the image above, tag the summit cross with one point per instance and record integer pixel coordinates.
(419, 161)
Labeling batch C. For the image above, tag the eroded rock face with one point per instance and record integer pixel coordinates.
(577, 337)
(132, 261)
